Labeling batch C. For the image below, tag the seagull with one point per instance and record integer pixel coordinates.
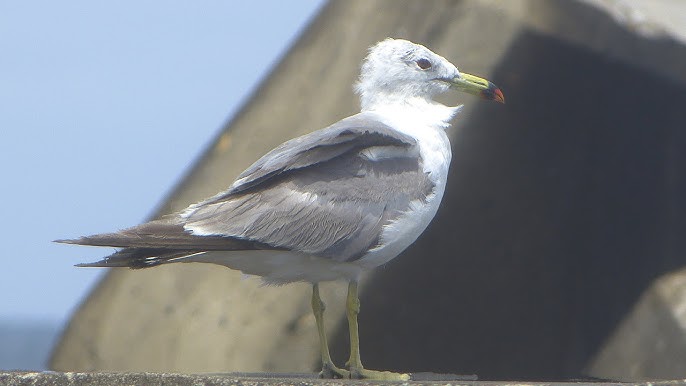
(329, 205)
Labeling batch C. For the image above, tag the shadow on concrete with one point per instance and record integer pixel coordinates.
(561, 208)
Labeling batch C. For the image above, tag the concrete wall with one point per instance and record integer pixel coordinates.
(562, 207)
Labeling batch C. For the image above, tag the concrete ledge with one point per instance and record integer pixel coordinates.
(52, 378)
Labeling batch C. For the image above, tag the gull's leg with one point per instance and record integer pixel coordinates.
(352, 308)
(329, 370)
(355, 362)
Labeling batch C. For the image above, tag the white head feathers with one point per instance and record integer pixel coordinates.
(397, 70)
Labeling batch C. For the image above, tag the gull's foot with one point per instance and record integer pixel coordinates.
(360, 373)
(330, 371)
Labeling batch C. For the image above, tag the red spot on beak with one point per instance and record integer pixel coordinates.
(498, 96)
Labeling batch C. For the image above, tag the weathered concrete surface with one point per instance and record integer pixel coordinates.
(109, 379)
(650, 338)
(562, 206)
(651, 17)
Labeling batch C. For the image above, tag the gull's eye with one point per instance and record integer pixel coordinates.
(424, 64)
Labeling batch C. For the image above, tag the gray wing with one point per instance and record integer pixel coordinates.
(328, 193)
(350, 134)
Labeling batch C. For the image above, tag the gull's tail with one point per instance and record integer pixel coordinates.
(157, 242)
(136, 258)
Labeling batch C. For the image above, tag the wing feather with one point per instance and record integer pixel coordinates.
(351, 179)
(328, 193)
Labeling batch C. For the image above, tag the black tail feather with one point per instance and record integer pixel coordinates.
(161, 234)
(136, 258)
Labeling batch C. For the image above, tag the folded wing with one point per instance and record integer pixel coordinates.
(328, 193)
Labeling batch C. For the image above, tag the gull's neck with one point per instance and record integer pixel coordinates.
(425, 121)
(410, 110)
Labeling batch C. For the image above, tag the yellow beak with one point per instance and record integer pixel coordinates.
(477, 86)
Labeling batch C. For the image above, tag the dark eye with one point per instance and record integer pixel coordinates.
(424, 64)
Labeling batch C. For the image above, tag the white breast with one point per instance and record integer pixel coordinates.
(434, 149)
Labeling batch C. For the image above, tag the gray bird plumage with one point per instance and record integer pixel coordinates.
(307, 195)
(331, 204)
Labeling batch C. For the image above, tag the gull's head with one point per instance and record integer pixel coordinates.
(397, 71)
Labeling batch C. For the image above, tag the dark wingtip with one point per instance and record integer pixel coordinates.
(103, 240)
(101, 264)
(86, 265)
(66, 241)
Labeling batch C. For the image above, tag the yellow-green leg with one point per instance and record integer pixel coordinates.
(355, 362)
(329, 370)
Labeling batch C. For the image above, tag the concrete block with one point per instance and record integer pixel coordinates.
(650, 343)
(561, 208)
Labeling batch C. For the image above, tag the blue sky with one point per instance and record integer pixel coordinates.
(103, 106)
